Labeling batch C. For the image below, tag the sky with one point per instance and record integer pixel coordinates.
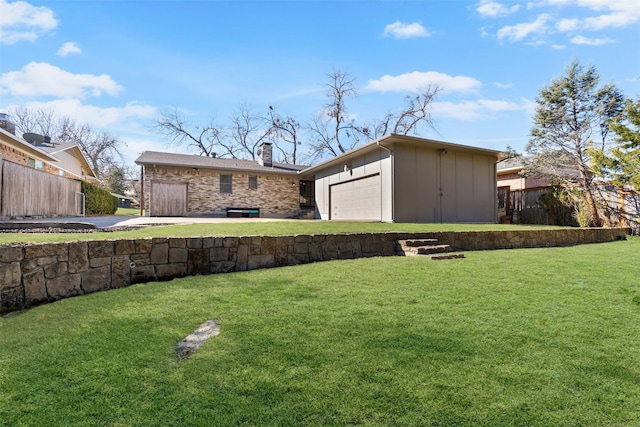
(117, 64)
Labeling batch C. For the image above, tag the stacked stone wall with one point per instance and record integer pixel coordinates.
(35, 274)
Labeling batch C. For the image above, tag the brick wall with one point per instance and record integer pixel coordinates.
(37, 274)
(15, 156)
(276, 196)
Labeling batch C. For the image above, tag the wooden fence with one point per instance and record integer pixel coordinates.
(526, 208)
(25, 191)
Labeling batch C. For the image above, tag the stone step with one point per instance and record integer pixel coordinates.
(433, 249)
(450, 255)
(417, 243)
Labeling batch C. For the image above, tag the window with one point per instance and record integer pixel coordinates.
(225, 184)
(253, 183)
(35, 163)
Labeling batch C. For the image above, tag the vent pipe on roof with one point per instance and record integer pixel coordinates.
(265, 154)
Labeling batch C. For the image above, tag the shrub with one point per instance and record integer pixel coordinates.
(98, 201)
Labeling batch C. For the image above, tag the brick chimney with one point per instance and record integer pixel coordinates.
(265, 154)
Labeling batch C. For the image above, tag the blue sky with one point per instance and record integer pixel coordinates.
(116, 64)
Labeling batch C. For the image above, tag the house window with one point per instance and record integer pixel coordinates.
(225, 184)
(253, 183)
(35, 163)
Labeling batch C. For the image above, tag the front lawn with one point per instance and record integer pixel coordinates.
(276, 228)
(533, 337)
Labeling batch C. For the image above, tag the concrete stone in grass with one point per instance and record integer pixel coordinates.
(186, 347)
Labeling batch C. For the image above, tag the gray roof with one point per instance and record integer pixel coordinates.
(203, 162)
(511, 163)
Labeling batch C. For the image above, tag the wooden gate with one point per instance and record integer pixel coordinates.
(168, 199)
(25, 191)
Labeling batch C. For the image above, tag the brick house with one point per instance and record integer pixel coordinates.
(38, 177)
(191, 185)
(66, 160)
(395, 178)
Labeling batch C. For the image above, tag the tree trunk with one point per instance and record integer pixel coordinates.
(593, 209)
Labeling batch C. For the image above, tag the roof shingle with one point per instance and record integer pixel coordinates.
(194, 161)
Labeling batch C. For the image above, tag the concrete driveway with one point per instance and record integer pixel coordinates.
(125, 221)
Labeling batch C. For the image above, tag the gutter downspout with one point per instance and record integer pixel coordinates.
(141, 190)
(393, 174)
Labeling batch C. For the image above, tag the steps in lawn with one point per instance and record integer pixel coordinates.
(428, 247)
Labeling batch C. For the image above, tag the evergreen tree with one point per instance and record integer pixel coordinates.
(572, 119)
(622, 163)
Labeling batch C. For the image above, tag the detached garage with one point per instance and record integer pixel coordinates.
(399, 178)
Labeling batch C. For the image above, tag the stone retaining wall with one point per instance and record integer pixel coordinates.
(41, 273)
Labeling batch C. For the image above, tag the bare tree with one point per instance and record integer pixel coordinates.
(208, 140)
(101, 149)
(333, 131)
(416, 112)
(248, 130)
(42, 121)
(285, 129)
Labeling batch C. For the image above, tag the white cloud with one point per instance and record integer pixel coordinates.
(479, 109)
(618, 13)
(21, 21)
(590, 42)
(101, 117)
(400, 30)
(42, 79)
(418, 80)
(519, 31)
(493, 9)
(568, 24)
(558, 46)
(619, 19)
(68, 48)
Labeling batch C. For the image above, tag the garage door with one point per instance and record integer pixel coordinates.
(168, 199)
(358, 199)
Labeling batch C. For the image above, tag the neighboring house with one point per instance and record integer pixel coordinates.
(519, 198)
(38, 178)
(518, 193)
(124, 201)
(395, 178)
(71, 160)
(407, 179)
(19, 151)
(190, 185)
(40, 153)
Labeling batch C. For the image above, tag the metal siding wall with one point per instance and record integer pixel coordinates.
(465, 187)
(484, 189)
(448, 188)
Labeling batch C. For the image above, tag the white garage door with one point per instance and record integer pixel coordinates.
(359, 199)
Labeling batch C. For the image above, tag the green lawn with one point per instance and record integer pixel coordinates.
(128, 211)
(276, 228)
(530, 337)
